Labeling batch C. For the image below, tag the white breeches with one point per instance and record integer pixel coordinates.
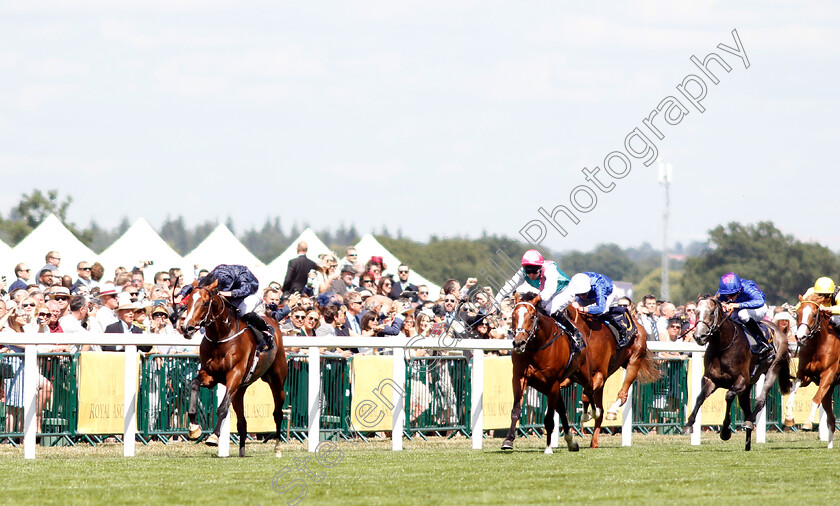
(756, 314)
(249, 303)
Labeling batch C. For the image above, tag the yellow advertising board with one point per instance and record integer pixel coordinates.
(259, 408)
(498, 392)
(802, 401)
(101, 392)
(373, 386)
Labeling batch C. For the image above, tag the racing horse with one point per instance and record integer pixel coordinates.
(543, 358)
(730, 364)
(228, 355)
(601, 358)
(819, 361)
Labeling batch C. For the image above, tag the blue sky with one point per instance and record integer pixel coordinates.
(443, 118)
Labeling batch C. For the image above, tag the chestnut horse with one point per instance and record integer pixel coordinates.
(730, 364)
(542, 358)
(601, 358)
(228, 356)
(819, 361)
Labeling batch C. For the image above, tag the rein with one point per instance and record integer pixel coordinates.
(533, 322)
(207, 320)
(714, 327)
(811, 331)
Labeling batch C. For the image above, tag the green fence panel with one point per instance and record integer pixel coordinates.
(662, 403)
(534, 406)
(773, 408)
(437, 394)
(335, 396)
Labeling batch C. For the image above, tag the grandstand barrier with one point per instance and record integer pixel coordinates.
(61, 429)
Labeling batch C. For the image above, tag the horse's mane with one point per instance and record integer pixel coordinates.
(530, 296)
(814, 297)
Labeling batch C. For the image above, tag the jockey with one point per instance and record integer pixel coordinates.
(240, 286)
(744, 296)
(546, 277)
(825, 288)
(594, 293)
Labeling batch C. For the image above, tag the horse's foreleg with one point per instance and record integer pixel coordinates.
(279, 399)
(705, 391)
(598, 402)
(725, 428)
(519, 386)
(549, 424)
(791, 402)
(194, 429)
(564, 420)
(238, 401)
(827, 403)
(749, 417)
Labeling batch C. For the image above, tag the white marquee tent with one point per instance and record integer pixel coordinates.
(140, 242)
(50, 235)
(220, 247)
(276, 270)
(368, 246)
(7, 261)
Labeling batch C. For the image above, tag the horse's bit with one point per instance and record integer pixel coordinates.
(533, 323)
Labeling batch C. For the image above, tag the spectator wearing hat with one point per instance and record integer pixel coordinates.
(125, 325)
(61, 295)
(786, 324)
(376, 266)
(297, 273)
(402, 284)
(84, 278)
(344, 283)
(23, 273)
(106, 314)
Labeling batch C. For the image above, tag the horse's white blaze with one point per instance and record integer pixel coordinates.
(802, 330)
(194, 298)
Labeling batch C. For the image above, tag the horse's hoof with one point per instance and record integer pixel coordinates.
(213, 440)
(278, 452)
(507, 445)
(548, 450)
(242, 452)
(809, 425)
(612, 415)
(748, 447)
(749, 426)
(831, 445)
(194, 431)
(585, 417)
(725, 434)
(688, 429)
(575, 447)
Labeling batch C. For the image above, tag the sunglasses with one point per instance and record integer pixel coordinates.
(532, 269)
(403, 272)
(676, 326)
(159, 315)
(386, 284)
(24, 270)
(84, 268)
(61, 297)
(312, 318)
(367, 281)
(353, 255)
(424, 293)
(298, 316)
(28, 305)
(44, 314)
(134, 294)
(449, 300)
(164, 279)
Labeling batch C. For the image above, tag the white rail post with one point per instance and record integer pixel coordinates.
(823, 425)
(761, 416)
(398, 399)
(30, 400)
(314, 398)
(477, 396)
(224, 428)
(696, 385)
(627, 418)
(129, 400)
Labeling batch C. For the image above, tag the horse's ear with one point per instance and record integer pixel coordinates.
(195, 283)
(516, 297)
(214, 286)
(800, 298)
(535, 300)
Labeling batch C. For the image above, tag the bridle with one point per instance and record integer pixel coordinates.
(811, 331)
(533, 323)
(714, 327)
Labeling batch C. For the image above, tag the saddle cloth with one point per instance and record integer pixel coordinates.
(625, 321)
(766, 336)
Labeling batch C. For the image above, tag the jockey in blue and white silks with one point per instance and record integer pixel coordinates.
(744, 296)
(594, 293)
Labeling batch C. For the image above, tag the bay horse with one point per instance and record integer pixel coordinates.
(228, 356)
(542, 358)
(819, 360)
(730, 364)
(601, 358)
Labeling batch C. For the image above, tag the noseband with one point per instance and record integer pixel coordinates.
(209, 317)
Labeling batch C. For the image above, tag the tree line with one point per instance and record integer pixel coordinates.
(783, 266)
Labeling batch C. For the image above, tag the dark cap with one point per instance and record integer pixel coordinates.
(348, 268)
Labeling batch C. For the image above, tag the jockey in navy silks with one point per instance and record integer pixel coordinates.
(239, 285)
(545, 277)
(749, 303)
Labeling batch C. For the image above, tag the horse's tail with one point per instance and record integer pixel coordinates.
(784, 375)
(648, 368)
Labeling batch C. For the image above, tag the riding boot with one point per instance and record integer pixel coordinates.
(621, 340)
(569, 329)
(835, 322)
(765, 348)
(266, 341)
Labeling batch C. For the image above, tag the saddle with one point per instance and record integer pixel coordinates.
(766, 336)
(618, 323)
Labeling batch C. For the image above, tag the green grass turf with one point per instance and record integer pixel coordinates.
(655, 470)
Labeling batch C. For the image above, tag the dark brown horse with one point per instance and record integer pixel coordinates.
(228, 357)
(542, 358)
(819, 360)
(730, 364)
(601, 358)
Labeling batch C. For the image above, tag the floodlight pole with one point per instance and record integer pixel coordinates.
(665, 180)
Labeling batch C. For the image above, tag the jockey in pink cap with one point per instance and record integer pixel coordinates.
(545, 277)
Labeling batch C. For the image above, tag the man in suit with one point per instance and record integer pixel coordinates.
(402, 285)
(125, 313)
(344, 284)
(297, 273)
